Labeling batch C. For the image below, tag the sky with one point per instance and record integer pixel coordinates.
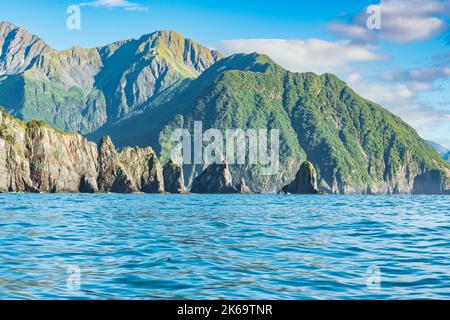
(393, 52)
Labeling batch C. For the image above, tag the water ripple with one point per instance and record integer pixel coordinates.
(217, 247)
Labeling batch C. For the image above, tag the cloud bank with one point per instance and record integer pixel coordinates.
(402, 21)
(313, 55)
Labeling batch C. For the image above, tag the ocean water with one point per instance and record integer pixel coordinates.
(224, 246)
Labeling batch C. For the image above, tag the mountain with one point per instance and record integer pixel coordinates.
(139, 91)
(80, 90)
(439, 148)
(447, 157)
(356, 145)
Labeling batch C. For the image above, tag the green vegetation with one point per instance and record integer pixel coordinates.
(139, 91)
(352, 142)
(5, 130)
(57, 154)
(6, 134)
(70, 89)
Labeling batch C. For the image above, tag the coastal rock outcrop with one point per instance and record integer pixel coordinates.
(426, 183)
(173, 178)
(112, 176)
(243, 188)
(215, 179)
(37, 158)
(132, 170)
(305, 181)
(144, 169)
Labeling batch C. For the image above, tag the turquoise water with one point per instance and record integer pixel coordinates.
(230, 246)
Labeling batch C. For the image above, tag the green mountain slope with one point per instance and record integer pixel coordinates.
(356, 145)
(139, 91)
(81, 90)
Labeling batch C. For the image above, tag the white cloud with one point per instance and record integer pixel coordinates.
(300, 56)
(401, 21)
(124, 4)
(417, 74)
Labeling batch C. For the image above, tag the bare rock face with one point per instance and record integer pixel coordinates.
(426, 183)
(14, 168)
(18, 48)
(132, 170)
(216, 179)
(143, 168)
(243, 188)
(59, 162)
(305, 181)
(36, 158)
(112, 176)
(173, 178)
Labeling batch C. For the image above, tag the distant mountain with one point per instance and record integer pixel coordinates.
(356, 145)
(439, 148)
(80, 90)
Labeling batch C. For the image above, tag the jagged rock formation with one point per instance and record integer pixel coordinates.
(215, 179)
(111, 175)
(144, 169)
(131, 170)
(305, 181)
(242, 187)
(37, 158)
(173, 178)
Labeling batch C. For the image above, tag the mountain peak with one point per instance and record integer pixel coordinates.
(168, 34)
(18, 48)
(253, 62)
(7, 24)
(187, 56)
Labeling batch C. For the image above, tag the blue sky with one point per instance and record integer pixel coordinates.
(405, 65)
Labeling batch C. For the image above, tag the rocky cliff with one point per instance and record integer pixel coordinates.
(215, 179)
(173, 178)
(37, 158)
(356, 145)
(305, 181)
(138, 91)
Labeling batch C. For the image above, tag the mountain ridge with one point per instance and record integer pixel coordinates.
(82, 89)
(356, 145)
(140, 90)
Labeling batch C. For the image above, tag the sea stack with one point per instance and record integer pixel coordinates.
(215, 179)
(132, 170)
(111, 175)
(305, 181)
(173, 178)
